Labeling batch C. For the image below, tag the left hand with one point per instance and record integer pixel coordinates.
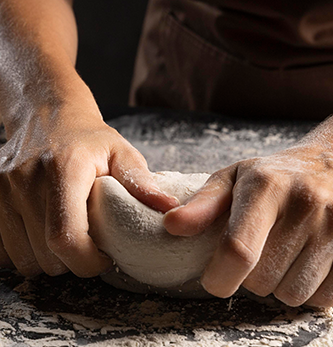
(279, 236)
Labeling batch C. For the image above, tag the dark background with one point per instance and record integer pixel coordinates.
(109, 32)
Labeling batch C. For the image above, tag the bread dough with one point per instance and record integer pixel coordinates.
(149, 258)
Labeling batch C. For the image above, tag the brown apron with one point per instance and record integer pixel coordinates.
(245, 58)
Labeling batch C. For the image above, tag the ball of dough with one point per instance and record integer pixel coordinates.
(133, 235)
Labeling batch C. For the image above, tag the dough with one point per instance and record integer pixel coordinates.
(149, 258)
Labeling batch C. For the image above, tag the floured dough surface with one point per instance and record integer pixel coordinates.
(133, 235)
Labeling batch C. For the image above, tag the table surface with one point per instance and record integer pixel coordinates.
(69, 311)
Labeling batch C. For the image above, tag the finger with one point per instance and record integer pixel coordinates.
(129, 167)
(305, 276)
(284, 244)
(323, 297)
(253, 213)
(16, 242)
(33, 216)
(67, 220)
(213, 199)
(280, 251)
(308, 273)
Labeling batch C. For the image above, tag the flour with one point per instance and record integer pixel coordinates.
(207, 145)
(133, 235)
(53, 310)
(106, 317)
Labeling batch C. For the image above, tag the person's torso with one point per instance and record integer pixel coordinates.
(238, 57)
(265, 33)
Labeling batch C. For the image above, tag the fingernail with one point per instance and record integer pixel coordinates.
(171, 211)
(159, 190)
(175, 226)
(175, 200)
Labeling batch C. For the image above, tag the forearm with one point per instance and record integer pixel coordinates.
(38, 40)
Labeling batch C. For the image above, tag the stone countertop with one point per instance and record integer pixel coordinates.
(69, 311)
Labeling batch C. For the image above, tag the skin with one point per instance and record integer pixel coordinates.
(57, 145)
(278, 238)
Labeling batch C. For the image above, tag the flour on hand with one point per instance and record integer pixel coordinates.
(149, 258)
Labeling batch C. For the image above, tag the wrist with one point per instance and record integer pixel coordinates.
(319, 139)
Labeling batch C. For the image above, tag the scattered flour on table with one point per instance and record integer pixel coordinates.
(197, 147)
(153, 321)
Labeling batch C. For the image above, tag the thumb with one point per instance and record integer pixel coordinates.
(130, 168)
(212, 200)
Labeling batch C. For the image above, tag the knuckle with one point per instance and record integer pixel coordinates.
(240, 252)
(22, 178)
(56, 157)
(222, 178)
(130, 153)
(263, 176)
(246, 164)
(304, 194)
(326, 159)
(320, 197)
(217, 179)
(262, 179)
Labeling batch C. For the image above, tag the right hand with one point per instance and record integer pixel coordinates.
(278, 237)
(47, 169)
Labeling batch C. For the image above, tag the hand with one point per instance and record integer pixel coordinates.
(46, 174)
(279, 236)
